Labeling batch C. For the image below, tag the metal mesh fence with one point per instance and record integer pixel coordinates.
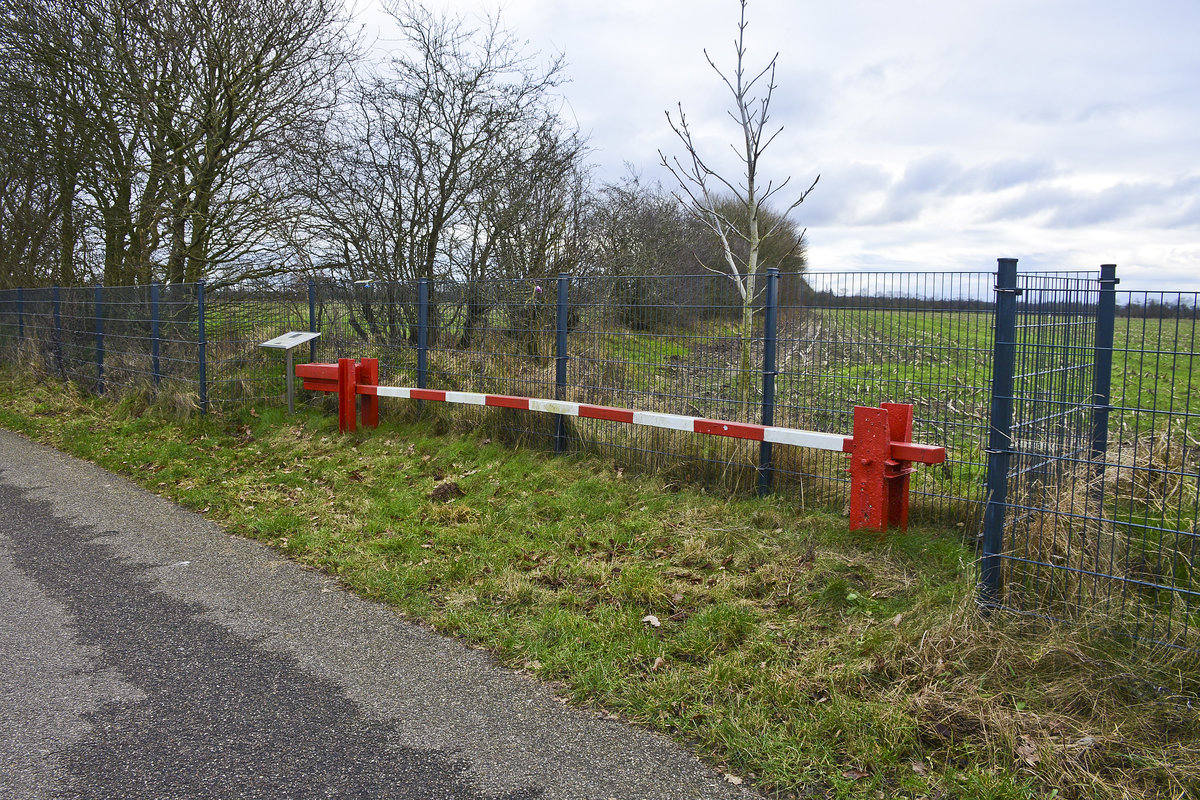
(236, 369)
(1075, 402)
(1102, 481)
(851, 339)
(676, 344)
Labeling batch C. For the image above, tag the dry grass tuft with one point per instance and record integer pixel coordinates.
(1157, 470)
(1069, 708)
(1113, 543)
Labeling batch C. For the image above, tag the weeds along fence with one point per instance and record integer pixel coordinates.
(1066, 406)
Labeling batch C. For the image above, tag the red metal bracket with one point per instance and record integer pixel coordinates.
(879, 480)
(367, 373)
(344, 378)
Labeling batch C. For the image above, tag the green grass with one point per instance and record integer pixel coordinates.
(809, 660)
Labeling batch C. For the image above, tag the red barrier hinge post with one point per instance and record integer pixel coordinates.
(879, 482)
(367, 374)
(347, 385)
(348, 379)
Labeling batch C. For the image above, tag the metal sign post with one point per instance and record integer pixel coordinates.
(289, 342)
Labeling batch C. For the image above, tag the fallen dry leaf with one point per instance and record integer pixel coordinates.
(734, 779)
(1028, 751)
(652, 621)
(919, 768)
(855, 774)
(658, 662)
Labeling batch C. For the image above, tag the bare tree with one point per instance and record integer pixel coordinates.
(174, 125)
(439, 165)
(706, 192)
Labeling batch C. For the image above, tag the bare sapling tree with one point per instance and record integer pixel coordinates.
(706, 193)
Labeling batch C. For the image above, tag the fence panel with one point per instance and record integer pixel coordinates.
(237, 320)
(1099, 522)
(849, 339)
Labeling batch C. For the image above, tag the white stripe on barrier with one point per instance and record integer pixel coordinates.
(673, 422)
(393, 391)
(799, 438)
(469, 398)
(554, 406)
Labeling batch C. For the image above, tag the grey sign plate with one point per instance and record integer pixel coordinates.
(290, 340)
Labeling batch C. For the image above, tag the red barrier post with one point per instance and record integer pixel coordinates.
(368, 375)
(868, 462)
(347, 395)
(900, 428)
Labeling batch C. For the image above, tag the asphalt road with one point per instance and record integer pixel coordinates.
(145, 653)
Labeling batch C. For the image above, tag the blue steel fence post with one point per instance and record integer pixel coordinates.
(58, 353)
(422, 337)
(1106, 320)
(99, 339)
(202, 347)
(766, 473)
(422, 331)
(1000, 431)
(20, 315)
(312, 318)
(560, 362)
(156, 370)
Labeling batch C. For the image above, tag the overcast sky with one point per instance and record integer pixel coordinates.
(947, 133)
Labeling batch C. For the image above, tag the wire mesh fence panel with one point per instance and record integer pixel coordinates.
(178, 315)
(1147, 480)
(12, 323)
(33, 333)
(1104, 470)
(848, 339)
(676, 344)
(237, 369)
(493, 336)
(368, 320)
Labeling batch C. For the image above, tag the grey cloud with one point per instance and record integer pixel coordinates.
(942, 175)
(930, 174)
(837, 198)
(1172, 204)
(1005, 174)
(935, 178)
(1031, 202)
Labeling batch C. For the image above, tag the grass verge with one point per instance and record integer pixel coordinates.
(787, 652)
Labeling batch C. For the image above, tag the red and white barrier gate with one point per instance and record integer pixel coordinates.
(881, 449)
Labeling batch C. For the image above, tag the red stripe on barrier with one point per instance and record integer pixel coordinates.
(427, 394)
(606, 412)
(736, 430)
(506, 401)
